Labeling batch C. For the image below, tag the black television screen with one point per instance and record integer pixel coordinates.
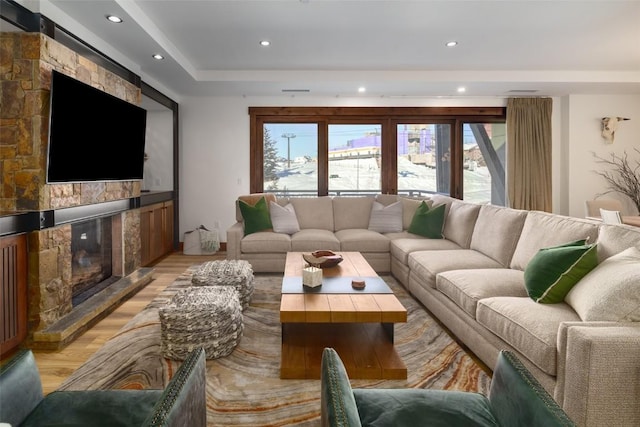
(93, 136)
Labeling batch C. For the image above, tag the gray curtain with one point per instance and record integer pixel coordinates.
(529, 153)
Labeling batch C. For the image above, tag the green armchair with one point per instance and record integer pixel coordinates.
(181, 403)
(515, 399)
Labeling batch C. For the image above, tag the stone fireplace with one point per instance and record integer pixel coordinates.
(74, 221)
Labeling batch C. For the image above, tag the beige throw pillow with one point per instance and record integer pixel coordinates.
(386, 219)
(283, 219)
(611, 291)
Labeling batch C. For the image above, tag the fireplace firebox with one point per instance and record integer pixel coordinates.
(91, 258)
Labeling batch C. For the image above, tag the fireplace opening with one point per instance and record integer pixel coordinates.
(91, 258)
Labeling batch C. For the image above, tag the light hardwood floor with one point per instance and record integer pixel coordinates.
(56, 366)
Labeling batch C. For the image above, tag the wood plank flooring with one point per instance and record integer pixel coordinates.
(56, 366)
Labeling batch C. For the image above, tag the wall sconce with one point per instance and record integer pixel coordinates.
(609, 126)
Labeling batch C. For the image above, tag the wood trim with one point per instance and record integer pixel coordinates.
(449, 112)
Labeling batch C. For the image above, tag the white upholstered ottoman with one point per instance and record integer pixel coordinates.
(207, 317)
(234, 273)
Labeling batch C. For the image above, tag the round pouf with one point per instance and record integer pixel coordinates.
(236, 273)
(207, 317)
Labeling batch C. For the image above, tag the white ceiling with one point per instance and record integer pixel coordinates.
(394, 48)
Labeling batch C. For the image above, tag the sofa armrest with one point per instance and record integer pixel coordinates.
(184, 401)
(235, 233)
(601, 372)
(20, 388)
(518, 399)
(563, 330)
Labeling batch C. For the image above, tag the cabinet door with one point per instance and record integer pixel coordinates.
(13, 292)
(145, 236)
(168, 227)
(157, 237)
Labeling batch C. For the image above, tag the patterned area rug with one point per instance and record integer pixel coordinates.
(244, 388)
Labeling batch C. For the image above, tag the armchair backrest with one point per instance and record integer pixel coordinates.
(20, 388)
(337, 403)
(183, 402)
(518, 399)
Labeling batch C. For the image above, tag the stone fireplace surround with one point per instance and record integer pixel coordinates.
(48, 210)
(53, 320)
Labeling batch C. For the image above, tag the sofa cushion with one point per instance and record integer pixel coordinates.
(409, 206)
(411, 407)
(542, 230)
(427, 264)
(553, 271)
(309, 240)
(460, 221)
(386, 199)
(256, 217)
(283, 218)
(613, 239)
(428, 222)
(265, 242)
(359, 240)
(100, 408)
(314, 212)
(467, 287)
(386, 219)
(611, 291)
(401, 247)
(528, 327)
(497, 231)
(351, 212)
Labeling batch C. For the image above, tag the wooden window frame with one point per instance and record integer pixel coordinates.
(387, 117)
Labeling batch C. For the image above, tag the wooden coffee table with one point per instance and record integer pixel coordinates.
(358, 324)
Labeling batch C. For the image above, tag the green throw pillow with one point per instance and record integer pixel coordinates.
(553, 271)
(428, 222)
(256, 218)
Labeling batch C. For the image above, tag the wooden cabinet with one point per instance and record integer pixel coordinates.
(156, 231)
(13, 292)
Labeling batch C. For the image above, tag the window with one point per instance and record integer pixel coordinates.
(290, 158)
(354, 159)
(459, 151)
(424, 152)
(484, 160)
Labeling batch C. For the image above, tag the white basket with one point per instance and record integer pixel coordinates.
(201, 241)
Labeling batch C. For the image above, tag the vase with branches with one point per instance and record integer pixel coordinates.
(622, 175)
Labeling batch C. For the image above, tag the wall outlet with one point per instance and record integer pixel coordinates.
(216, 224)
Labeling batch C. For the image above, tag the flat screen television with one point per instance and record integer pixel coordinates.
(93, 136)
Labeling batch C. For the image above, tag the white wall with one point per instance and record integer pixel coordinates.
(158, 169)
(583, 137)
(214, 158)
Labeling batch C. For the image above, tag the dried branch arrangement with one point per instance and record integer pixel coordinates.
(622, 176)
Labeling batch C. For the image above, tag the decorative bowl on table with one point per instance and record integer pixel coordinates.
(322, 259)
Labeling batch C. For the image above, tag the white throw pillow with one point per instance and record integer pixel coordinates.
(386, 219)
(283, 219)
(611, 291)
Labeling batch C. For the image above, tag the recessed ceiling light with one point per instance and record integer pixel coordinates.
(452, 43)
(115, 19)
(158, 56)
(462, 89)
(362, 89)
(265, 43)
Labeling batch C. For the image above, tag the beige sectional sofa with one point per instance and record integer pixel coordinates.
(472, 280)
